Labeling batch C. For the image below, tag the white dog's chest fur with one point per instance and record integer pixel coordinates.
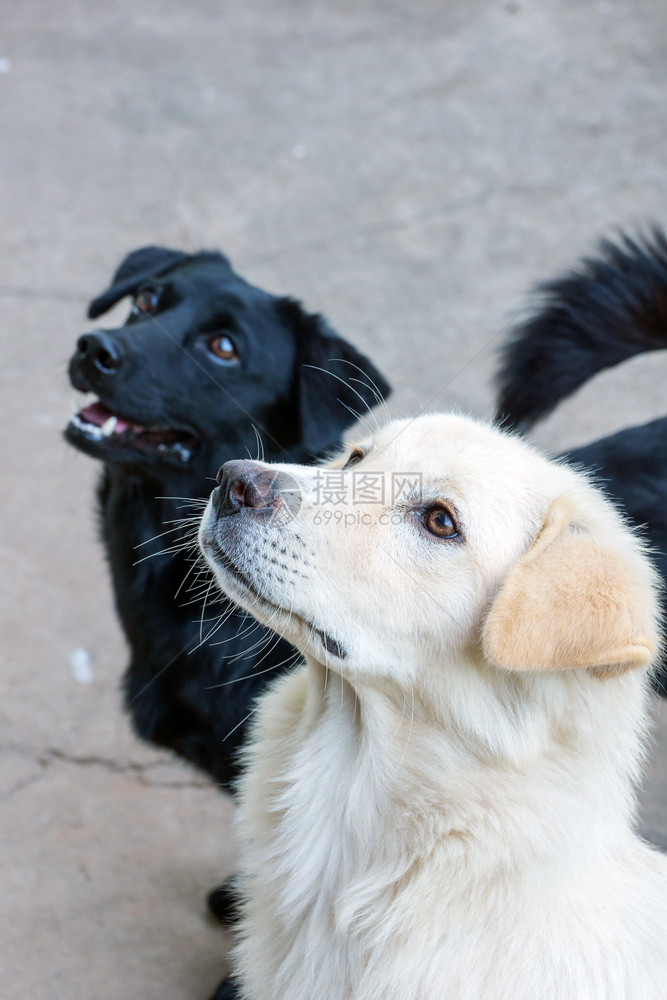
(359, 893)
(450, 817)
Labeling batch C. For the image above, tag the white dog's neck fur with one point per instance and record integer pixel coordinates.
(385, 745)
(406, 795)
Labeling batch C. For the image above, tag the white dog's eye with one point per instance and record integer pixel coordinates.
(354, 459)
(438, 521)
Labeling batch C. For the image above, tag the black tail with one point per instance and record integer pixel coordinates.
(607, 309)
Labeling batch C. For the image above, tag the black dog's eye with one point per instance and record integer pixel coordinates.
(438, 521)
(354, 459)
(146, 301)
(223, 348)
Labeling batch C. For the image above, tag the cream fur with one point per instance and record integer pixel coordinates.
(447, 812)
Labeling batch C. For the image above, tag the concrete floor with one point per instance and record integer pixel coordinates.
(408, 169)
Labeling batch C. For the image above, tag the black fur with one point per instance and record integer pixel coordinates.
(606, 310)
(140, 265)
(609, 308)
(158, 371)
(227, 990)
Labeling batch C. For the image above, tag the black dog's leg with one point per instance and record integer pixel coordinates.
(227, 990)
(223, 902)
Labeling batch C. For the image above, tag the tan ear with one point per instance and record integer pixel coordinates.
(570, 603)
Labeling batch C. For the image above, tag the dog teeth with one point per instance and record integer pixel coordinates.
(109, 426)
(91, 432)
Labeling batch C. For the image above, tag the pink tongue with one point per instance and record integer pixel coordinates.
(98, 414)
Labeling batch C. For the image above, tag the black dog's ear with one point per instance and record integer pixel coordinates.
(147, 262)
(333, 379)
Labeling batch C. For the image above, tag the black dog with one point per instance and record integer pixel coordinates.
(204, 365)
(608, 309)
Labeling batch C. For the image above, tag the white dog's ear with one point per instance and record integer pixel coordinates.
(569, 602)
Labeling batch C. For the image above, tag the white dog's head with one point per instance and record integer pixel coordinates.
(438, 547)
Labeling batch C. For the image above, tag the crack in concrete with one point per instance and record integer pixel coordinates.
(14, 789)
(44, 757)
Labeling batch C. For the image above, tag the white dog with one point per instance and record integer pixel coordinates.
(439, 804)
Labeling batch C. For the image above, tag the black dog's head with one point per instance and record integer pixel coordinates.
(203, 360)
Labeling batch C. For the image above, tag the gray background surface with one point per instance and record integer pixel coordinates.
(408, 169)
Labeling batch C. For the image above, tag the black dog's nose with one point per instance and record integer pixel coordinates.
(100, 351)
(245, 484)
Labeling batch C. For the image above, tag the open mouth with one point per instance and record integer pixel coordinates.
(97, 424)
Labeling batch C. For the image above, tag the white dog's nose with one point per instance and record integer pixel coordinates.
(245, 484)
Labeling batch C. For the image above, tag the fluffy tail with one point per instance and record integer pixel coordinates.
(607, 309)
